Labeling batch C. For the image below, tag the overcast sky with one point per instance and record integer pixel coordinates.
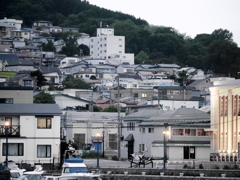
(191, 17)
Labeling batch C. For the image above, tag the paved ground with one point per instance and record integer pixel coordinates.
(157, 164)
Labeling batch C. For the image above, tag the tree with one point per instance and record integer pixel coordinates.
(71, 82)
(110, 108)
(224, 57)
(70, 39)
(41, 81)
(44, 98)
(49, 46)
(141, 57)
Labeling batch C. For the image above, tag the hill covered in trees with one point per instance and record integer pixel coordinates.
(150, 44)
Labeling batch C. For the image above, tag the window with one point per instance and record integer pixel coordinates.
(144, 95)
(113, 141)
(43, 123)
(141, 147)
(176, 92)
(14, 149)
(201, 132)
(131, 126)
(177, 132)
(143, 130)
(190, 132)
(43, 151)
(6, 100)
(120, 39)
(28, 83)
(135, 95)
(150, 130)
(134, 85)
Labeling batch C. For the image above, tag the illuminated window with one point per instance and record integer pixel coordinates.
(43, 123)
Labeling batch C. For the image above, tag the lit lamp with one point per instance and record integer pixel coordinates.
(7, 123)
(98, 136)
(165, 133)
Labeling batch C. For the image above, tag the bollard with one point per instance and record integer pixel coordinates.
(143, 173)
(161, 173)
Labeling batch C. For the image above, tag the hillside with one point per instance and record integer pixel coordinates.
(150, 44)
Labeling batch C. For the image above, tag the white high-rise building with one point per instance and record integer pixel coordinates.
(109, 47)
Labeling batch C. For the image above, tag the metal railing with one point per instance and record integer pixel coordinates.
(13, 131)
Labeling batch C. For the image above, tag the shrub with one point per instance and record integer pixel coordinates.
(186, 166)
(226, 167)
(200, 166)
(115, 158)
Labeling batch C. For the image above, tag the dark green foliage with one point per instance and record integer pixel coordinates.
(44, 98)
(97, 108)
(90, 154)
(41, 81)
(200, 166)
(110, 108)
(115, 158)
(93, 77)
(49, 46)
(226, 167)
(71, 82)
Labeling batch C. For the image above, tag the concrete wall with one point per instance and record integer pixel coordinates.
(19, 96)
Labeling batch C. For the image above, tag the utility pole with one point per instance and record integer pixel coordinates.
(119, 124)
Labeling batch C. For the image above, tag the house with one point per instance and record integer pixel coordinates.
(29, 33)
(169, 68)
(73, 103)
(187, 138)
(131, 94)
(69, 29)
(176, 92)
(12, 93)
(41, 23)
(19, 65)
(52, 74)
(13, 22)
(33, 133)
(81, 129)
(5, 29)
(151, 83)
(123, 68)
(24, 79)
(192, 73)
(168, 104)
(225, 120)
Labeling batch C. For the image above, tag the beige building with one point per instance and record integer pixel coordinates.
(225, 126)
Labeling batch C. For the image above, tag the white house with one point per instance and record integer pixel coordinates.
(187, 138)
(13, 22)
(65, 102)
(174, 104)
(33, 133)
(108, 46)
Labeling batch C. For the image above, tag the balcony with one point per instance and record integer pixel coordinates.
(13, 131)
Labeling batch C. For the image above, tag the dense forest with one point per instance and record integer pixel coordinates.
(151, 44)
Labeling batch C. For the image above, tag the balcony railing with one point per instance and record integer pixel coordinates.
(13, 131)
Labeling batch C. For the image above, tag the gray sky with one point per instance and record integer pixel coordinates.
(190, 17)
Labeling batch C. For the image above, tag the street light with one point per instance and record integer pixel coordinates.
(98, 135)
(165, 133)
(103, 144)
(7, 123)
